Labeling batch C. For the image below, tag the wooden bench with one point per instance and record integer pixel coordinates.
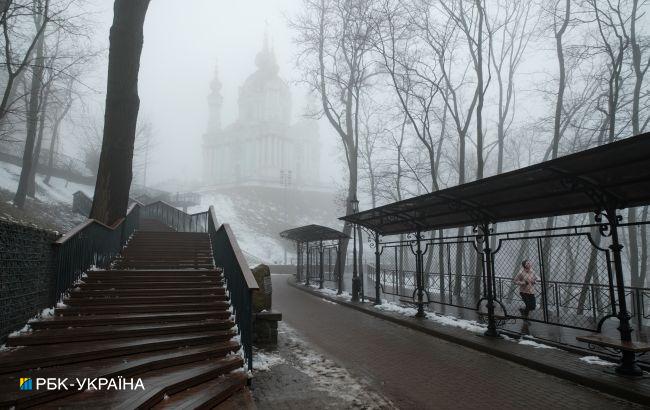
(629, 351)
(616, 344)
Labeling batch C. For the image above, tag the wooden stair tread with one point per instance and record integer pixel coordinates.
(206, 395)
(157, 383)
(75, 321)
(132, 300)
(241, 400)
(94, 333)
(125, 366)
(31, 357)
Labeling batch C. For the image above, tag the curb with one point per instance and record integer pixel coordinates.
(615, 389)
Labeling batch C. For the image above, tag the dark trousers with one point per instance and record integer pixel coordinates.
(529, 300)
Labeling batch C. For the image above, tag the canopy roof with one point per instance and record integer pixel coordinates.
(615, 175)
(312, 233)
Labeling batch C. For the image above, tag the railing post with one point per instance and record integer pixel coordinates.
(377, 271)
(419, 273)
(321, 272)
(542, 275)
(628, 364)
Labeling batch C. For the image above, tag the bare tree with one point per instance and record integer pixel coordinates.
(334, 38)
(510, 28)
(40, 16)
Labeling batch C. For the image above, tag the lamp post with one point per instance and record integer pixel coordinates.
(285, 177)
(354, 203)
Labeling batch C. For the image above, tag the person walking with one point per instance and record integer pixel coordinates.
(526, 281)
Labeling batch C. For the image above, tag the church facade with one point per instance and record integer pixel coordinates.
(262, 147)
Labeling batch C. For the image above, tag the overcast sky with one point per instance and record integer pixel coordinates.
(182, 45)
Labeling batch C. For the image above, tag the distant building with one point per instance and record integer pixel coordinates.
(262, 147)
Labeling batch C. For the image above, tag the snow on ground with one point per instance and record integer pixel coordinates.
(263, 361)
(58, 191)
(227, 210)
(536, 345)
(596, 360)
(327, 376)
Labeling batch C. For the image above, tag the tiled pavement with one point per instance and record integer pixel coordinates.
(417, 371)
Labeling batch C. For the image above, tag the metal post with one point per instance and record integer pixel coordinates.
(419, 272)
(355, 273)
(297, 261)
(321, 273)
(307, 251)
(340, 266)
(628, 364)
(377, 271)
(489, 273)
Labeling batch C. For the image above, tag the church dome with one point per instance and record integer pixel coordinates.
(265, 97)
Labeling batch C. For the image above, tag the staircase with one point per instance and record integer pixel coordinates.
(161, 314)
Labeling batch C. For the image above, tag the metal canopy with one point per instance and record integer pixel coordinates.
(615, 175)
(312, 233)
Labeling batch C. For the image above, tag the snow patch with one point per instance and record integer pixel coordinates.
(596, 360)
(263, 361)
(536, 345)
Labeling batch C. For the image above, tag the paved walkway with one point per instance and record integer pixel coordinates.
(415, 370)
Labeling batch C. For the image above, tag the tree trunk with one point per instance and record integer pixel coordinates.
(31, 182)
(115, 172)
(32, 124)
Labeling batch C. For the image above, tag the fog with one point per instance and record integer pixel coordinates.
(182, 46)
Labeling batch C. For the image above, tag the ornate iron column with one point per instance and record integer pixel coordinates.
(321, 273)
(355, 274)
(298, 261)
(628, 364)
(419, 274)
(307, 274)
(377, 271)
(340, 267)
(488, 270)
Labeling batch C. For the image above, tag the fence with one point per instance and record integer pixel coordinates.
(575, 288)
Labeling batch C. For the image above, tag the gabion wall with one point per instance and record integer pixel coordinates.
(27, 274)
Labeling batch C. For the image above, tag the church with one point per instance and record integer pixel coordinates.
(262, 147)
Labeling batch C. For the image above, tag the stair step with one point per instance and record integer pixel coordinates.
(32, 357)
(136, 300)
(78, 293)
(128, 366)
(243, 399)
(158, 384)
(94, 333)
(207, 395)
(113, 309)
(147, 272)
(119, 285)
(123, 319)
(184, 277)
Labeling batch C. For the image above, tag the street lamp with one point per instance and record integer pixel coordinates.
(285, 177)
(354, 203)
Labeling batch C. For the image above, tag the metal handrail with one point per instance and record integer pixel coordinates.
(91, 243)
(239, 280)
